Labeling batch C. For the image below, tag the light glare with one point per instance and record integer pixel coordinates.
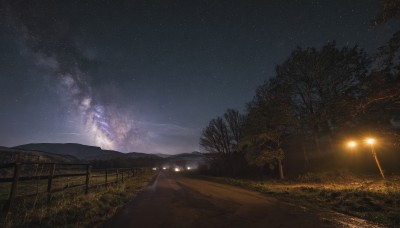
(370, 141)
(352, 144)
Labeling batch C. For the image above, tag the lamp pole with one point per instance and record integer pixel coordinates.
(371, 142)
(376, 160)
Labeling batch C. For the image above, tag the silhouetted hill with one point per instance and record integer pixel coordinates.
(140, 155)
(82, 152)
(72, 152)
(163, 155)
(187, 156)
(11, 155)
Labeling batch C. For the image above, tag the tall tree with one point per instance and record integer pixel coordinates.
(322, 83)
(269, 119)
(389, 9)
(234, 121)
(221, 138)
(214, 138)
(379, 106)
(223, 134)
(378, 109)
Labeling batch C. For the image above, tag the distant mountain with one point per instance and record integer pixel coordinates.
(72, 152)
(140, 155)
(82, 152)
(187, 156)
(10, 155)
(163, 155)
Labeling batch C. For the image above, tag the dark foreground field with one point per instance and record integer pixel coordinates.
(72, 208)
(176, 201)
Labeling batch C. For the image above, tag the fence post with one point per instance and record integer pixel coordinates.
(13, 191)
(106, 179)
(122, 175)
(117, 175)
(50, 182)
(87, 179)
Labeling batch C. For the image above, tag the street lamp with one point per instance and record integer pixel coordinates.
(371, 142)
(352, 144)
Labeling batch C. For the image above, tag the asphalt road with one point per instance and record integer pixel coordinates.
(175, 201)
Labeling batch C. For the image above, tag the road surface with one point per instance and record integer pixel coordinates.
(175, 201)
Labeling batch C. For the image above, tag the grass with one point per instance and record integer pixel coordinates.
(74, 209)
(369, 198)
(29, 187)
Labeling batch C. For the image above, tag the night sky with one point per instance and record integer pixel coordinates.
(147, 76)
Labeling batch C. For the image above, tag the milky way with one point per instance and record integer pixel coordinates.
(107, 127)
(48, 37)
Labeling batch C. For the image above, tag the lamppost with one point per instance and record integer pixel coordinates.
(371, 142)
(352, 144)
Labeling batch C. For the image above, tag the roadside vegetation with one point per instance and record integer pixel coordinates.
(367, 197)
(74, 209)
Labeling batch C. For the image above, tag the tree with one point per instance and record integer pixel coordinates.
(379, 106)
(221, 138)
(262, 149)
(235, 122)
(269, 119)
(389, 9)
(223, 134)
(322, 84)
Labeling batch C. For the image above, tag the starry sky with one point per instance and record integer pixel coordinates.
(148, 75)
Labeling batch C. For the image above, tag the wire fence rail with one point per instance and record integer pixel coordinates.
(20, 180)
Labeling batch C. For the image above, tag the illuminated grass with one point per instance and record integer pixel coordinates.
(368, 198)
(74, 209)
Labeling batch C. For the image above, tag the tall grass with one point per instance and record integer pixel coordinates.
(74, 209)
(370, 198)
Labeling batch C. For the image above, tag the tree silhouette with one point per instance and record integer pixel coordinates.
(223, 134)
(389, 9)
(322, 84)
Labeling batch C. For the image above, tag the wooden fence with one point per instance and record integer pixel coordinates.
(39, 179)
